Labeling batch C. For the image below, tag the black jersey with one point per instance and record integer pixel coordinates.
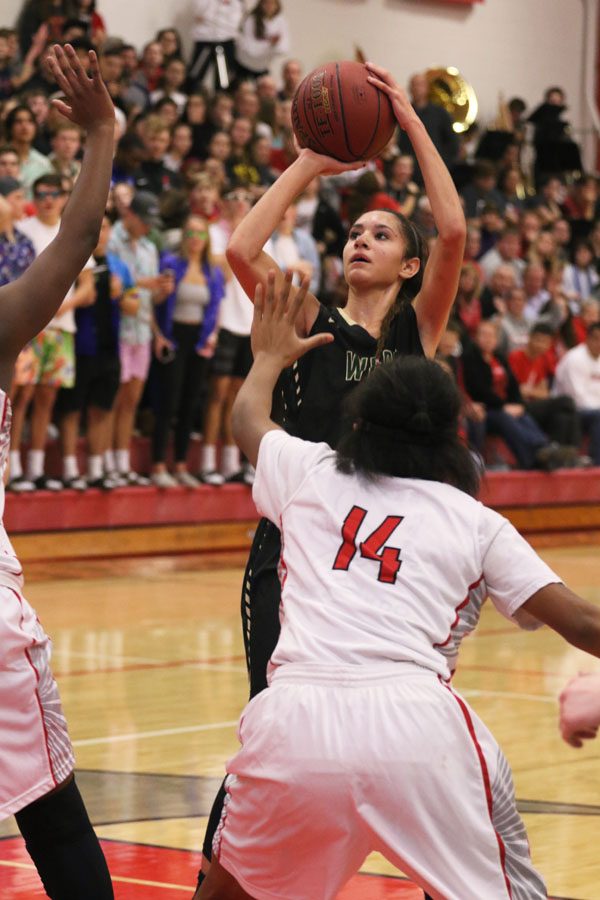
(313, 389)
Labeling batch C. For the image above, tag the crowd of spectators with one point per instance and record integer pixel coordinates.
(154, 335)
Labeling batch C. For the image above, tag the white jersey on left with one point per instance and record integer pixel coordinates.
(32, 724)
(385, 570)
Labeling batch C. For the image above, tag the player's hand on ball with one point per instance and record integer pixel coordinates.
(381, 79)
(327, 165)
(580, 709)
(274, 333)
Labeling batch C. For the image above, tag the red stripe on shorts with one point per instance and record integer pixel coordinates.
(485, 775)
(39, 702)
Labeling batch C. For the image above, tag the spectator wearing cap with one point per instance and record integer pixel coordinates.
(16, 255)
(130, 243)
(578, 376)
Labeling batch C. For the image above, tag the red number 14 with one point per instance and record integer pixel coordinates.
(373, 547)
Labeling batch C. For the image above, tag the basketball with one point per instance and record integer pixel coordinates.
(337, 112)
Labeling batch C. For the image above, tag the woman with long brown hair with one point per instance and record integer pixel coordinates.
(187, 319)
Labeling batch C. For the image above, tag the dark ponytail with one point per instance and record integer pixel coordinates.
(416, 246)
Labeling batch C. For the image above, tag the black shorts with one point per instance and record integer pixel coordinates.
(97, 381)
(261, 599)
(233, 355)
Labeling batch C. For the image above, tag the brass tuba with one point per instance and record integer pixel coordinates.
(449, 89)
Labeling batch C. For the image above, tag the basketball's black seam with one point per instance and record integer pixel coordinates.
(342, 116)
(370, 144)
(309, 124)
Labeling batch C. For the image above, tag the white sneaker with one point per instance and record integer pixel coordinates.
(163, 480)
(187, 480)
(213, 478)
(20, 485)
(249, 474)
(132, 478)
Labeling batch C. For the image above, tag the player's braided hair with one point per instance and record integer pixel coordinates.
(402, 420)
(416, 246)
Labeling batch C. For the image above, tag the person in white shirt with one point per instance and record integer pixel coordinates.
(54, 346)
(360, 740)
(578, 376)
(264, 34)
(216, 24)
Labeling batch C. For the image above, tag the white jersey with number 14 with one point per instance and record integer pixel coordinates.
(382, 571)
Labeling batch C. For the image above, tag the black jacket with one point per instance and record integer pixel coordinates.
(478, 381)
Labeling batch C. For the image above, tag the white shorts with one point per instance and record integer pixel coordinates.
(336, 763)
(35, 750)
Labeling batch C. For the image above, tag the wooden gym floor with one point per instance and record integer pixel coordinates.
(149, 659)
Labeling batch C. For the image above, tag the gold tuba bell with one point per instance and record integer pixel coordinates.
(449, 89)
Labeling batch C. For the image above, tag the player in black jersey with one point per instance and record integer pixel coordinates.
(396, 305)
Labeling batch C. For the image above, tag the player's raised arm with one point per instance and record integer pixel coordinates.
(440, 282)
(249, 263)
(275, 346)
(29, 303)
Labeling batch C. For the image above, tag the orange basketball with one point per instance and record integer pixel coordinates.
(337, 112)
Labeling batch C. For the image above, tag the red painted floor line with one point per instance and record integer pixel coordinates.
(142, 872)
(146, 872)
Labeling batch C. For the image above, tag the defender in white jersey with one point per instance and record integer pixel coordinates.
(36, 757)
(360, 742)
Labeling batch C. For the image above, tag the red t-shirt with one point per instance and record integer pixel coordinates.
(531, 371)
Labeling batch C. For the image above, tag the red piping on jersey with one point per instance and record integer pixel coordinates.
(460, 606)
(4, 409)
(37, 697)
(485, 775)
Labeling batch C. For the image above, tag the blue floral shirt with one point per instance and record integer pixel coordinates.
(15, 256)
